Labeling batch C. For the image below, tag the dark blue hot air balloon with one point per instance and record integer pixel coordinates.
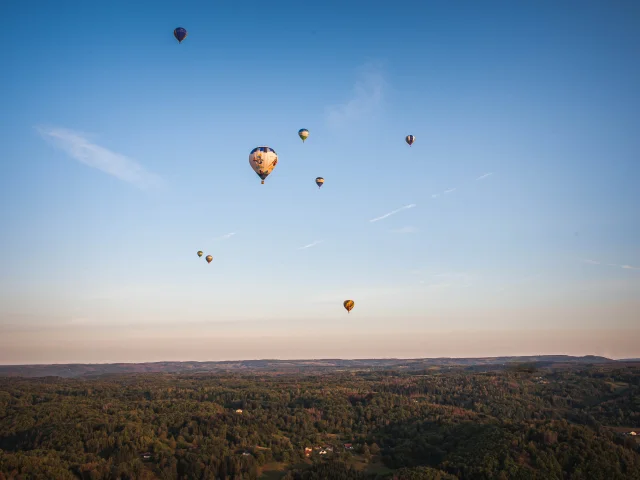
(180, 34)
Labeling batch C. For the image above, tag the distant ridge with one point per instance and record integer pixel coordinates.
(283, 366)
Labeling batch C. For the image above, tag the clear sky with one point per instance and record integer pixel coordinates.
(123, 153)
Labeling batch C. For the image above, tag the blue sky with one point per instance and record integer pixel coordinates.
(99, 264)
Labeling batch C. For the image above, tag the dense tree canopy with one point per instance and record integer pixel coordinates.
(432, 424)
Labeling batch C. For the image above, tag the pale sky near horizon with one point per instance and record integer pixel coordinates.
(510, 227)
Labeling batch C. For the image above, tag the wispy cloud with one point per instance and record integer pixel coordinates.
(312, 244)
(225, 236)
(408, 229)
(80, 148)
(366, 100)
(392, 212)
(594, 262)
(451, 190)
(484, 176)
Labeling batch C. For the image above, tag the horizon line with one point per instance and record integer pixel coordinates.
(319, 359)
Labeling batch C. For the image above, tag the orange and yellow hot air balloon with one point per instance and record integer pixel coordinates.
(349, 304)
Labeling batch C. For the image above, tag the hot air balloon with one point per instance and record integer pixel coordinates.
(199, 253)
(349, 304)
(263, 160)
(319, 181)
(303, 133)
(410, 139)
(180, 34)
(208, 258)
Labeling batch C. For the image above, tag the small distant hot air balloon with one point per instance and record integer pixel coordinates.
(410, 139)
(180, 34)
(349, 304)
(199, 253)
(303, 133)
(263, 160)
(208, 258)
(319, 181)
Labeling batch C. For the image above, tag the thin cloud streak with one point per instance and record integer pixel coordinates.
(312, 244)
(594, 262)
(366, 100)
(451, 190)
(392, 212)
(484, 176)
(225, 236)
(78, 147)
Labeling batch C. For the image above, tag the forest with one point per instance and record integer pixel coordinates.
(570, 422)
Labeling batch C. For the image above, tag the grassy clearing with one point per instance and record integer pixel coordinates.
(272, 471)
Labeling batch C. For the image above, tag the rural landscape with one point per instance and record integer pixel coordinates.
(544, 417)
(332, 240)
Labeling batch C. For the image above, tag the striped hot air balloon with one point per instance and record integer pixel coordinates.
(410, 139)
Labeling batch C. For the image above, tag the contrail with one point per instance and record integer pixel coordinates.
(392, 213)
(484, 176)
(312, 244)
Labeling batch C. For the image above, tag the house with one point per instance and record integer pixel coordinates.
(348, 446)
(328, 448)
(246, 454)
(307, 451)
(239, 410)
(146, 455)
(323, 452)
(633, 433)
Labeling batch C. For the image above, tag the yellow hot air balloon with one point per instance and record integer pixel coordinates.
(349, 304)
(303, 133)
(209, 258)
(199, 253)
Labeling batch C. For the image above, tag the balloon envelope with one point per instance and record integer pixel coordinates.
(180, 34)
(410, 139)
(303, 133)
(199, 253)
(349, 304)
(209, 258)
(263, 160)
(319, 181)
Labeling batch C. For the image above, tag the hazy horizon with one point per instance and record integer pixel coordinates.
(132, 347)
(510, 227)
